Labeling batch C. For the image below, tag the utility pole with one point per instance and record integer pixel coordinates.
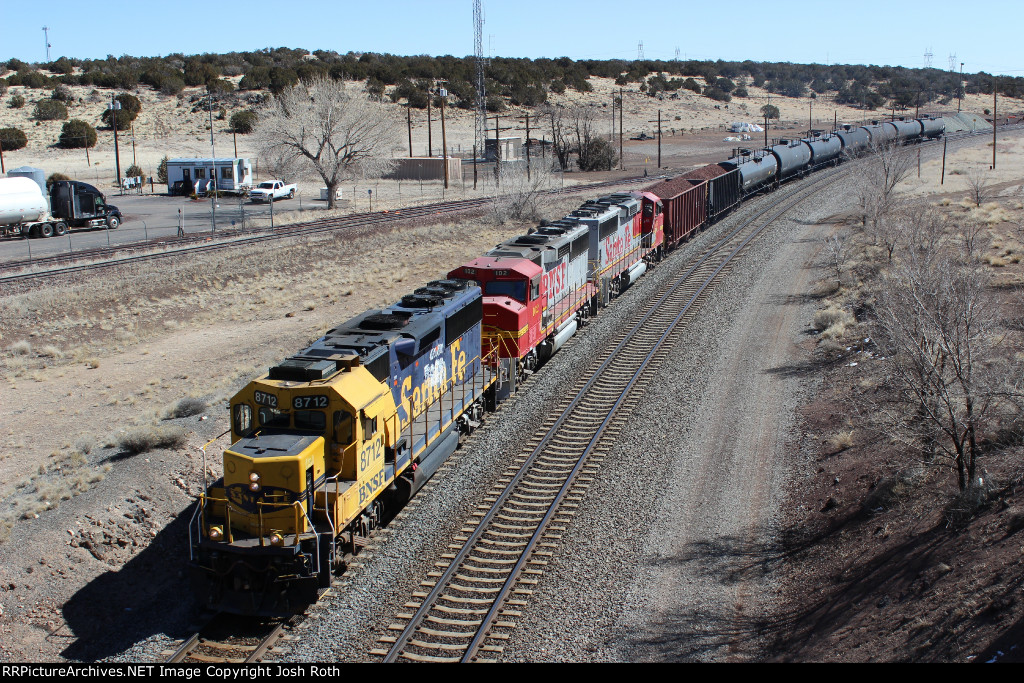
(46, 37)
(2, 170)
(442, 93)
(960, 87)
(995, 122)
(430, 137)
(527, 117)
(945, 141)
(810, 117)
(115, 107)
(408, 116)
(659, 136)
(622, 164)
(213, 168)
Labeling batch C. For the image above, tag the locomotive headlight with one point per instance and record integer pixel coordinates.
(215, 533)
(254, 476)
(254, 487)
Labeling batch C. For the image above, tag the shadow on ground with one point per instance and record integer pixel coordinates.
(148, 595)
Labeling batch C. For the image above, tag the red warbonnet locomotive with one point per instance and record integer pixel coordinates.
(540, 287)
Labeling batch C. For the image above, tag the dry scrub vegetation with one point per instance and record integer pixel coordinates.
(114, 356)
(904, 536)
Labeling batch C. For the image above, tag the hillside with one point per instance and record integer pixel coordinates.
(174, 120)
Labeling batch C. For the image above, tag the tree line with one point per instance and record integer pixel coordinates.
(525, 82)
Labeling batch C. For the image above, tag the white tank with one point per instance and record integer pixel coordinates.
(21, 201)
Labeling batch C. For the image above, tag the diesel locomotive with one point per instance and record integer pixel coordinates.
(332, 440)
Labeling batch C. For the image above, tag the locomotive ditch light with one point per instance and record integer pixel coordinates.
(276, 539)
(215, 533)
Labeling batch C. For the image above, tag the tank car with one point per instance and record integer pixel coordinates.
(932, 127)
(824, 148)
(756, 169)
(793, 157)
(880, 133)
(855, 141)
(329, 439)
(906, 131)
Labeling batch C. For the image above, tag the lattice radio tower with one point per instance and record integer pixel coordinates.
(640, 51)
(480, 127)
(952, 62)
(928, 58)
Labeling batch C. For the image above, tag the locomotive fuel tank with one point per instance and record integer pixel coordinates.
(824, 148)
(793, 157)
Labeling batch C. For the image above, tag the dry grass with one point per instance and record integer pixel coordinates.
(186, 407)
(145, 439)
(842, 440)
(834, 318)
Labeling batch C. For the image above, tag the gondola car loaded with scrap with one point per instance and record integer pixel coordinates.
(334, 439)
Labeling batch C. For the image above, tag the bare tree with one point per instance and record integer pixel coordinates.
(836, 254)
(978, 188)
(936, 324)
(520, 197)
(560, 140)
(880, 174)
(317, 126)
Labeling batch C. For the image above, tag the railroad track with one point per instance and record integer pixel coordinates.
(226, 639)
(468, 604)
(136, 252)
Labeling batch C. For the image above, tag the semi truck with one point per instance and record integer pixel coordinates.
(26, 210)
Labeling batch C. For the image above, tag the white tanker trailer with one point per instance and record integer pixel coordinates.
(26, 211)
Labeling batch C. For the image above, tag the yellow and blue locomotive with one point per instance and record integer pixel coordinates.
(332, 439)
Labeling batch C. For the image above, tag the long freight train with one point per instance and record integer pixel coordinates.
(335, 438)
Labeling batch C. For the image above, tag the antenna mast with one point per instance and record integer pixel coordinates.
(480, 127)
(46, 37)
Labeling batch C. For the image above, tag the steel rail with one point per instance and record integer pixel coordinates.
(196, 243)
(443, 582)
(514, 575)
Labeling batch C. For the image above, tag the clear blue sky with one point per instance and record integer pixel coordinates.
(986, 36)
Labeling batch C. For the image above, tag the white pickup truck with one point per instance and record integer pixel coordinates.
(272, 190)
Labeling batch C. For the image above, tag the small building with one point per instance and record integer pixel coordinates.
(505, 149)
(194, 175)
(425, 168)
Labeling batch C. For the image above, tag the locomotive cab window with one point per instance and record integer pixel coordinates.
(242, 416)
(514, 289)
(535, 288)
(369, 426)
(313, 420)
(344, 427)
(272, 417)
(648, 210)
